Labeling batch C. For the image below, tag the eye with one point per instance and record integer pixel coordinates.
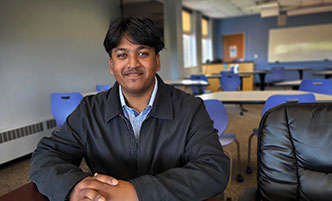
(143, 54)
(121, 55)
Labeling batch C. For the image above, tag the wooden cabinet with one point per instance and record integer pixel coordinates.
(247, 82)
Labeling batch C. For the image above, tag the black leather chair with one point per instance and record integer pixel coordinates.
(294, 154)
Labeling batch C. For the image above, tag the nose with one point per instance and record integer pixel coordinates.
(133, 61)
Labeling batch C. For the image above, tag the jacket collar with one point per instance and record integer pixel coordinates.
(162, 106)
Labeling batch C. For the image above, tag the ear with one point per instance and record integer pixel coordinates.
(158, 62)
(111, 66)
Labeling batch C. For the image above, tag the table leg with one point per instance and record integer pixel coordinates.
(262, 81)
(301, 74)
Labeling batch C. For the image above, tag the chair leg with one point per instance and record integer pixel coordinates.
(249, 170)
(242, 110)
(239, 176)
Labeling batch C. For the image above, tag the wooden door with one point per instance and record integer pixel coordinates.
(233, 47)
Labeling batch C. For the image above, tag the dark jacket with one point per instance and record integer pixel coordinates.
(178, 155)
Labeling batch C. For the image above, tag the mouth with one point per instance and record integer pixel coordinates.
(133, 73)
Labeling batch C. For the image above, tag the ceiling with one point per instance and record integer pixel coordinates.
(267, 8)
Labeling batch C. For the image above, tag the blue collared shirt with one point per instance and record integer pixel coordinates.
(136, 119)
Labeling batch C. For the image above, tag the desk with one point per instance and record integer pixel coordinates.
(248, 82)
(294, 84)
(29, 192)
(218, 75)
(185, 85)
(327, 73)
(261, 73)
(244, 74)
(188, 83)
(256, 97)
(299, 70)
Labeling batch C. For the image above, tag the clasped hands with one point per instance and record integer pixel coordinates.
(103, 188)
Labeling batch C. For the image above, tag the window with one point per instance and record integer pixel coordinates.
(189, 47)
(206, 41)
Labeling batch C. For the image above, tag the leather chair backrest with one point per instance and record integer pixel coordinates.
(295, 153)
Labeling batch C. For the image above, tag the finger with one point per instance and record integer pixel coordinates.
(106, 179)
(84, 199)
(92, 195)
(90, 183)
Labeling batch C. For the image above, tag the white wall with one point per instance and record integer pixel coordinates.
(50, 46)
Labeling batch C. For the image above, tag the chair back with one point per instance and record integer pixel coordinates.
(102, 87)
(218, 114)
(279, 99)
(294, 153)
(317, 86)
(63, 104)
(229, 81)
(277, 74)
(198, 89)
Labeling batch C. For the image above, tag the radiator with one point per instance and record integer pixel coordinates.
(21, 141)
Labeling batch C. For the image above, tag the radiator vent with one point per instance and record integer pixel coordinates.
(25, 131)
(51, 124)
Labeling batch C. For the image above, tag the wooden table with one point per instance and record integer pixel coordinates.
(256, 97)
(29, 192)
(245, 74)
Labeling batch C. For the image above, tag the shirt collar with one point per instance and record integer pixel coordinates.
(152, 98)
(162, 108)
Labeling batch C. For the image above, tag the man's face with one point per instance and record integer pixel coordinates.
(134, 67)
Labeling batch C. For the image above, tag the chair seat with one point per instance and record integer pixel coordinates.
(227, 138)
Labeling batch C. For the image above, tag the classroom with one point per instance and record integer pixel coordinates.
(49, 47)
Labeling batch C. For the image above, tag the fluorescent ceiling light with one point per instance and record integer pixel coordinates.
(304, 11)
(268, 5)
(270, 12)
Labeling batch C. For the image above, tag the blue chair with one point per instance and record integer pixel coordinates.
(317, 86)
(218, 114)
(229, 81)
(63, 104)
(198, 89)
(277, 74)
(273, 101)
(102, 87)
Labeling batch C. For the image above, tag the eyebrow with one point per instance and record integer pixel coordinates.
(141, 47)
(120, 49)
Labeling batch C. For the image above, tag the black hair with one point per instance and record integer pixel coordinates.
(141, 30)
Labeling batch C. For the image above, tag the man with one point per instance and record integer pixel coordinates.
(142, 139)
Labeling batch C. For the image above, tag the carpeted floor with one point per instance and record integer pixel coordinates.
(16, 173)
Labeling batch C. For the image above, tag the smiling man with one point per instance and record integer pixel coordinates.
(142, 139)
